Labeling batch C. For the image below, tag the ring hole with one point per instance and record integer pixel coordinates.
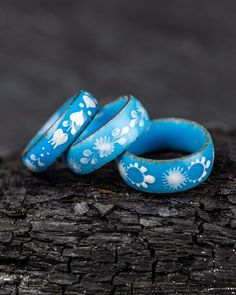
(170, 139)
(165, 154)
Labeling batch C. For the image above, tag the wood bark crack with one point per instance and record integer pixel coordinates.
(67, 234)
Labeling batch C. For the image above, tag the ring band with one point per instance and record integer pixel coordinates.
(59, 132)
(174, 175)
(113, 129)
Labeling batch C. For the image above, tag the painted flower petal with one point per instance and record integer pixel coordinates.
(149, 179)
(208, 163)
(125, 130)
(143, 169)
(122, 140)
(143, 184)
(141, 123)
(132, 123)
(94, 161)
(89, 102)
(87, 153)
(84, 161)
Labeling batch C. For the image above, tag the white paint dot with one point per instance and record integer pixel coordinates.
(43, 148)
(42, 155)
(89, 113)
(48, 154)
(81, 105)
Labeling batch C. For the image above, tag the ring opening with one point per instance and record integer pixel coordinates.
(170, 135)
(46, 127)
(106, 114)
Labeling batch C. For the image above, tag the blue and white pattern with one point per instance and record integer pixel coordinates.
(175, 178)
(139, 116)
(60, 132)
(137, 175)
(197, 170)
(168, 176)
(114, 128)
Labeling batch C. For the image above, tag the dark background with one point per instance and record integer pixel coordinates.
(178, 57)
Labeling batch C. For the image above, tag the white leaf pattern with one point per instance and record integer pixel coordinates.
(89, 102)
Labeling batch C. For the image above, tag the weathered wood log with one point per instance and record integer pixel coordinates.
(67, 234)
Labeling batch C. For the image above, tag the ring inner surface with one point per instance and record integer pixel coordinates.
(102, 117)
(169, 136)
(44, 129)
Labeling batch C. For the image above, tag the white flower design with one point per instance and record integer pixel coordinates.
(104, 146)
(136, 175)
(198, 169)
(58, 138)
(175, 178)
(76, 121)
(74, 165)
(139, 116)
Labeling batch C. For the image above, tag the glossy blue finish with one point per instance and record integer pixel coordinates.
(174, 175)
(113, 129)
(60, 132)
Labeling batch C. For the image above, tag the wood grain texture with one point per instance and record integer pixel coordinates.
(67, 234)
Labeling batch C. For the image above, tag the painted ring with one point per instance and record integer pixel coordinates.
(59, 132)
(173, 175)
(114, 128)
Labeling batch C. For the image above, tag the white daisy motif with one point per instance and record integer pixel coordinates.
(137, 175)
(175, 178)
(74, 165)
(104, 146)
(198, 169)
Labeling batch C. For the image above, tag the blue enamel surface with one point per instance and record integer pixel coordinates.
(60, 131)
(168, 176)
(114, 128)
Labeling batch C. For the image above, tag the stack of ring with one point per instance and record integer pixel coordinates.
(59, 132)
(114, 128)
(87, 139)
(173, 175)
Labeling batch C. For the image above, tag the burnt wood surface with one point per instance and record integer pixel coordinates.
(67, 234)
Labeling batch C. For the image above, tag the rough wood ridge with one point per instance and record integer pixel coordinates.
(64, 234)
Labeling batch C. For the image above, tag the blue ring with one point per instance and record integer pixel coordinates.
(174, 175)
(114, 128)
(59, 132)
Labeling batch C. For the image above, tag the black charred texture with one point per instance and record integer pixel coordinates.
(67, 234)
